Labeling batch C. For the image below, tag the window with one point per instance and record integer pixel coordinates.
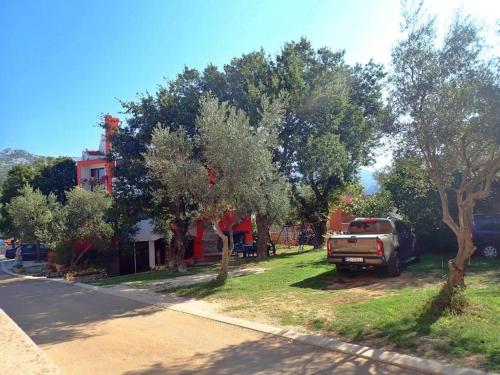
(370, 227)
(97, 173)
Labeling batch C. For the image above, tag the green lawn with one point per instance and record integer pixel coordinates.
(142, 278)
(303, 290)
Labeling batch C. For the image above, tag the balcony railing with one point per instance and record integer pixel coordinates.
(92, 182)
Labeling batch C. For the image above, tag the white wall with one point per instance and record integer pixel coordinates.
(151, 248)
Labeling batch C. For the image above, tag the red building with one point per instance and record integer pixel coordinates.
(338, 220)
(94, 168)
(206, 246)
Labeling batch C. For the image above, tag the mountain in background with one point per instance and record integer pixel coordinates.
(10, 157)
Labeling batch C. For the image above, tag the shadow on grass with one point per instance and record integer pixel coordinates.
(321, 281)
(404, 332)
(201, 290)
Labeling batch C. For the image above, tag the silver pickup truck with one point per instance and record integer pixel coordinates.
(373, 242)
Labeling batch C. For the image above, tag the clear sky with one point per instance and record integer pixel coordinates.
(65, 63)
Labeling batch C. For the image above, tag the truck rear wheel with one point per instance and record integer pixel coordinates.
(393, 268)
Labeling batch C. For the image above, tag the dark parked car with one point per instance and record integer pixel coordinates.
(486, 235)
(28, 251)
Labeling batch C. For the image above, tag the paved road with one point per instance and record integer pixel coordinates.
(87, 332)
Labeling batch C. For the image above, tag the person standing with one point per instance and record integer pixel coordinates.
(302, 238)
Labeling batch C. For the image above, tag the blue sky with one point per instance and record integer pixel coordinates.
(64, 63)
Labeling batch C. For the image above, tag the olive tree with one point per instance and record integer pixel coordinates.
(34, 216)
(446, 97)
(226, 174)
(85, 221)
(171, 161)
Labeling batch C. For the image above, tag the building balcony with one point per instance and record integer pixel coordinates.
(91, 183)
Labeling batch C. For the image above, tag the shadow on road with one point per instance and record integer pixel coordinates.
(53, 312)
(272, 355)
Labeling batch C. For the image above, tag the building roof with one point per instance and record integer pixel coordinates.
(94, 153)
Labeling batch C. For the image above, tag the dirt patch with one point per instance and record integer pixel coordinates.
(375, 284)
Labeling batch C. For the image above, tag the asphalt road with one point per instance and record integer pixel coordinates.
(87, 332)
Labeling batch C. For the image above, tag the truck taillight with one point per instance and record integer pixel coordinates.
(329, 247)
(380, 247)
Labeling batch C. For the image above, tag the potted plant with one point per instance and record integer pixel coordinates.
(70, 276)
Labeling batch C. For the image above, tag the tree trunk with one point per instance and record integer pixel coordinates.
(73, 263)
(263, 235)
(180, 230)
(466, 248)
(224, 266)
(170, 254)
(320, 230)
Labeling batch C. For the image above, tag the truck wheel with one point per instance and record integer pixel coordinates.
(393, 268)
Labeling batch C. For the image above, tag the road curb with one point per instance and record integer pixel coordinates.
(427, 366)
(16, 336)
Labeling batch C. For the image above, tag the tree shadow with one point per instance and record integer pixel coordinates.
(274, 355)
(51, 312)
(197, 291)
(157, 368)
(405, 332)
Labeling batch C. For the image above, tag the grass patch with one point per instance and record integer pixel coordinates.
(304, 290)
(142, 278)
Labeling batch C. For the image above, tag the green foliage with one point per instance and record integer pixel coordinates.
(17, 178)
(446, 100)
(224, 169)
(331, 121)
(85, 218)
(417, 201)
(57, 176)
(34, 216)
(238, 156)
(376, 205)
(331, 114)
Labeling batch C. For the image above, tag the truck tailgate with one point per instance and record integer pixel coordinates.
(354, 245)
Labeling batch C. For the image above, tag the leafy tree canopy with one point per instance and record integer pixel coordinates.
(34, 216)
(57, 176)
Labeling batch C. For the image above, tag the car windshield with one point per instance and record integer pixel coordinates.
(370, 227)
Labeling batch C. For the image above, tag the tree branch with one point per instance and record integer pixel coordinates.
(490, 176)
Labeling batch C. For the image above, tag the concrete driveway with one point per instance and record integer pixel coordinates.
(87, 332)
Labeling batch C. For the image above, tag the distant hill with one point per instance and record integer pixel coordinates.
(10, 157)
